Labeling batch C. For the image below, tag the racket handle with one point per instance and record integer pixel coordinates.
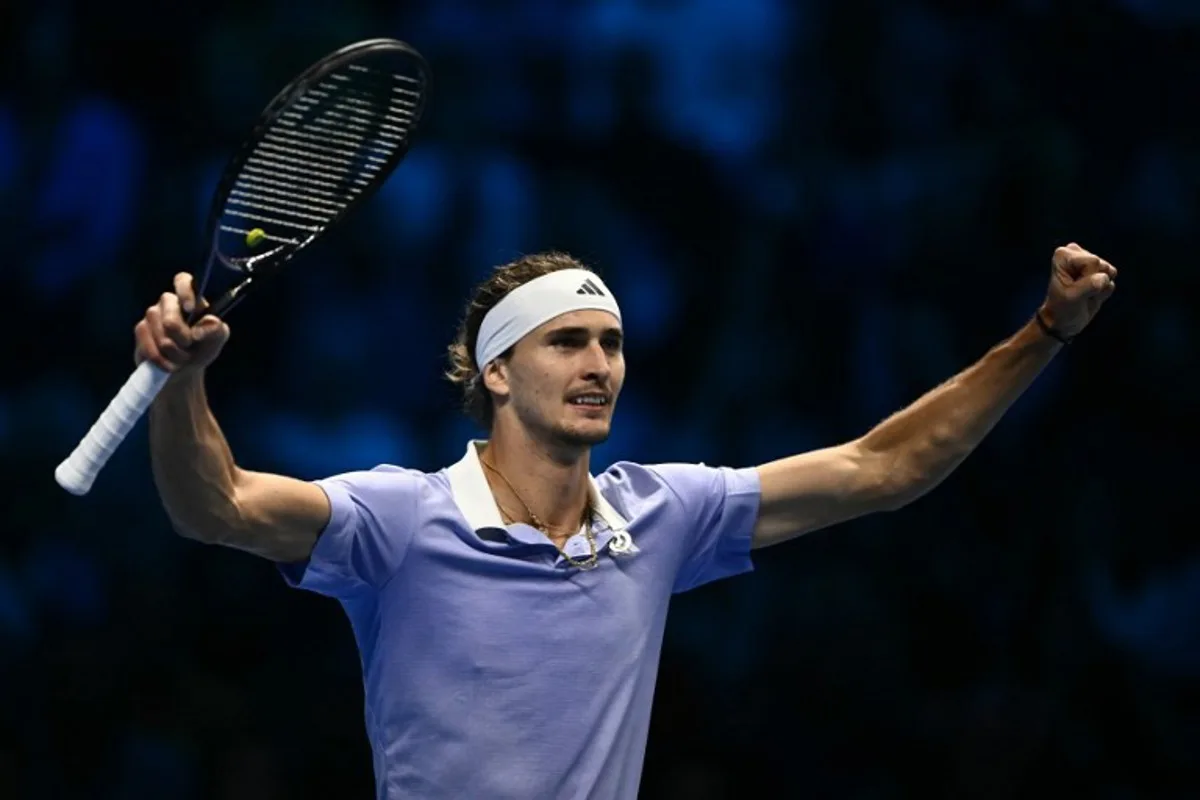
(79, 470)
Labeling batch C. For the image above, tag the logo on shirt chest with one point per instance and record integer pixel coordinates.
(622, 544)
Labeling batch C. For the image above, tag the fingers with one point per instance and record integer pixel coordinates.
(1098, 299)
(167, 336)
(171, 334)
(163, 335)
(185, 290)
(148, 336)
(175, 325)
(1073, 253)
(1099, 282)
(1101, 275)
(210, 329)
(1071, 260)
(1077, 264)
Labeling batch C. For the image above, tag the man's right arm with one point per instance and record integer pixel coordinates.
(210, 499)
(206, 495)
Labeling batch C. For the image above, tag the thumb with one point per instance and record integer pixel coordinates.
(1089, 286)
(209, 327)
(1098, 283)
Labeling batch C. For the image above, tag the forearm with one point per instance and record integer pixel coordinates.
(193, 466)
(925, 442)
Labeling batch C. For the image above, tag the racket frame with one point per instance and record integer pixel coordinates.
(78, 471)
(273, 260)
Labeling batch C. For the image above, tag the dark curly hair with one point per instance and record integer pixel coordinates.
(463, 371)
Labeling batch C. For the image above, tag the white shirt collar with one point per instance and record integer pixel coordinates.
(474, 497)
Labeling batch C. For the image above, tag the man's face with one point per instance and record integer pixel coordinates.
(563, 378)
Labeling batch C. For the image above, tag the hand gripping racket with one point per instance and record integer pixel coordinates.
(325, 144)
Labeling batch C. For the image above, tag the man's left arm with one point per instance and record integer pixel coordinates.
(915, 449)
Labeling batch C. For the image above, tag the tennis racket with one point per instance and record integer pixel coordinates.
(321, 147)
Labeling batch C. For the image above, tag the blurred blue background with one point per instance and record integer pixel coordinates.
(812, 212)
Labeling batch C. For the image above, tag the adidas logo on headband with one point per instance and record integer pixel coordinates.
(590, 288)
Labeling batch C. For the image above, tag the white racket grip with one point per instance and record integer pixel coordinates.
(79, 470)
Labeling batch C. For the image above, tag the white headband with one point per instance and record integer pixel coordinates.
(537, 302)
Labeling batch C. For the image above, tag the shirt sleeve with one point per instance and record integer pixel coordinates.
(372, 521)
(718, 508)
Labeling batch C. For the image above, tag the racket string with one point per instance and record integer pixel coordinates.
(365, 73)
(396, 111)
(293, 120)
(293, 183)
(373, 71)
(282, 212)
(354, 98)
(268, 236)
(344, 179)
(327, 204)
(253, 189)
(272, 204)
(358, 98)
(359, 123)
(272, 221)
(329, 145)
(342, 166)
(305, 139)
(316, 99)
(286, 163)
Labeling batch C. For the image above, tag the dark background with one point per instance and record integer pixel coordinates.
(811, 211)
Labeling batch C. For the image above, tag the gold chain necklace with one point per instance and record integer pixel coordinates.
(586, 520)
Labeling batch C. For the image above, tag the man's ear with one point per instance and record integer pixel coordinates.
(495, 377)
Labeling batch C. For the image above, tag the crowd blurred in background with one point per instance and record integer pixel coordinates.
(812, 212)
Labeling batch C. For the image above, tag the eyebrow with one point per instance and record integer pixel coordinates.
(578, 330)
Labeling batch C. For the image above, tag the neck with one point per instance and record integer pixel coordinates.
(553, 484)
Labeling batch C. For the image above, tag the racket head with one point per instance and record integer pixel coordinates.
(323, 145)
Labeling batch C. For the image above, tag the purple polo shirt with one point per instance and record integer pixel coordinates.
(492, 667)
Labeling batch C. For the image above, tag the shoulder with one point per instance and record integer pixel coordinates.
(379, 483)
(633, 484)
(382, 474)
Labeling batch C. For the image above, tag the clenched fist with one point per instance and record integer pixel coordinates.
(164, 337)
(1080, 283)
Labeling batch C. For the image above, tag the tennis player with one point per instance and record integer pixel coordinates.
(510, 608)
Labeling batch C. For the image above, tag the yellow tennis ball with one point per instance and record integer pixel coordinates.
(255, 237)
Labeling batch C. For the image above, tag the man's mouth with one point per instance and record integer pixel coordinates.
(590, 400)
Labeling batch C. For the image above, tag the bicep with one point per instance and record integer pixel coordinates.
(814, 490)
(281, 517)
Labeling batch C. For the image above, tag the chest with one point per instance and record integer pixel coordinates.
(501, 612)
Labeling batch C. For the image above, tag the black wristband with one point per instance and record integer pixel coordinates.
(1046, 329)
